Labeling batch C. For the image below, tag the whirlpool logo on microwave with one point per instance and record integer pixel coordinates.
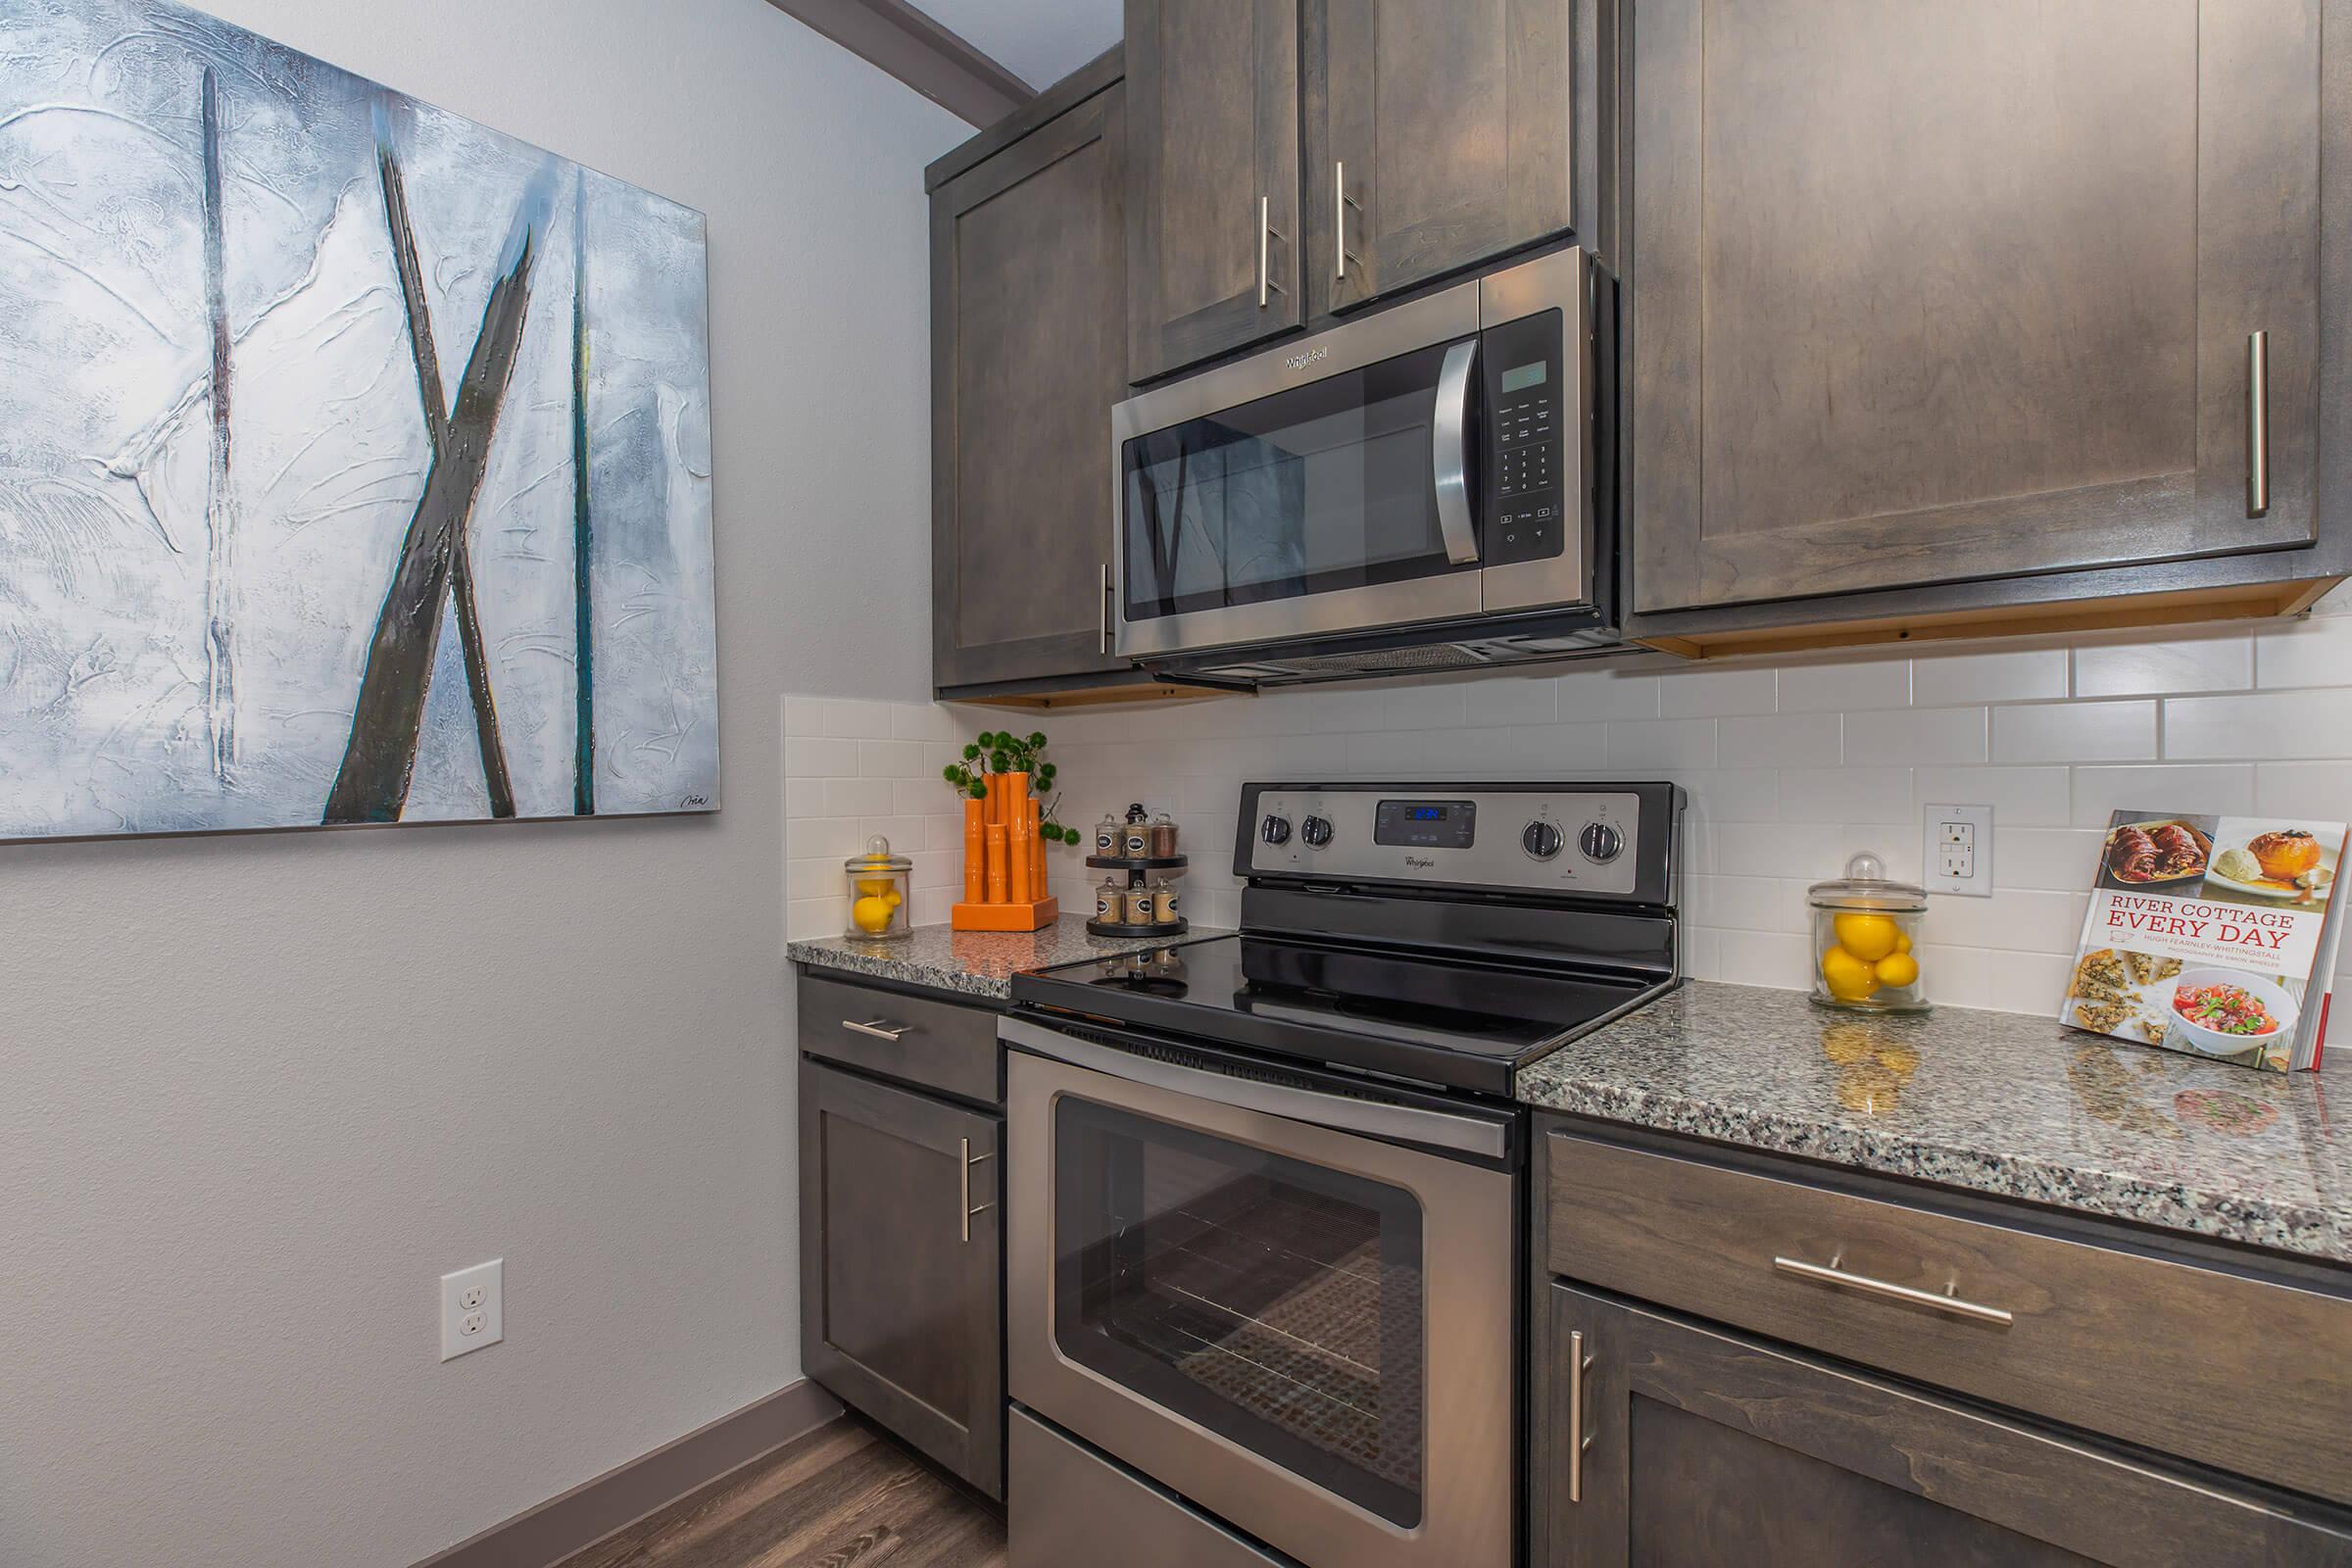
(1300, 361)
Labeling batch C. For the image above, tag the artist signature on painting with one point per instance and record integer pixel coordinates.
(694, 803)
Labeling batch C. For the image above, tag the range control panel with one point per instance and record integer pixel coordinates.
(1560, 839)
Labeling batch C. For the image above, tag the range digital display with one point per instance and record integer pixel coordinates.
(1426, 825)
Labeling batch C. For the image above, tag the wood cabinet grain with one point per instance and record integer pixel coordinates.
(1925, 293)
(1711, 1449)
(1029, 351)
(1212, 179)
(902, 1278)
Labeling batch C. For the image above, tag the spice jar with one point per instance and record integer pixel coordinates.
(1135, 835)
(1106, 835)
(1865, 932)
(1163, 837)
(878, 892)
(1166, 907)
(1111, 900)
(1142, 905)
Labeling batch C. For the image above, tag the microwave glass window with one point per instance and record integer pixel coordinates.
(1519, 377)
(1275, 1302)
(1325, 486)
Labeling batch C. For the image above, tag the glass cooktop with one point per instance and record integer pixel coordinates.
(1445, 1022)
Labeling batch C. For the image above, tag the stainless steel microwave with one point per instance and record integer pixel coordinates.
(1408, 490)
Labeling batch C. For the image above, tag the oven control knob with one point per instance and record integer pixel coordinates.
(1541, 840)
(1315, 831)
(1600, 842)
(1277, 830)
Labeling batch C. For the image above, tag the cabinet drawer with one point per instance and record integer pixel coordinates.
(937, 1045)
(2241, 1373)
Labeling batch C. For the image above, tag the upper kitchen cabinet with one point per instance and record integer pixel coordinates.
(1212, 180)
(1438, 136)
(2020, 297)
(1028, 353)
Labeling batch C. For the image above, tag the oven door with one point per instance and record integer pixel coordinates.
(1323, 486)
(1306, 1331)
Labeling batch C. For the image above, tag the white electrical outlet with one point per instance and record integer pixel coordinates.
(472, 1311)
(1958, 852)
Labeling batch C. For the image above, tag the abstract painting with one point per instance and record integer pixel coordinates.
(355, 459)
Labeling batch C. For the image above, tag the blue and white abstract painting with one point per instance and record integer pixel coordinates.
(355, 459)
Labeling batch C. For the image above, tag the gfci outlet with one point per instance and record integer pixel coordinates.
(1958, 852)
(471, 1309)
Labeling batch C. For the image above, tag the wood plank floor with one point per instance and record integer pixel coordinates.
(843, 1497)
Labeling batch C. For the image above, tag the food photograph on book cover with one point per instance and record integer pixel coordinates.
(2212, 935)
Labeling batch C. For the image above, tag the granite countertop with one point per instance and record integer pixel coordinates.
(1999, 1103)
(978, 964)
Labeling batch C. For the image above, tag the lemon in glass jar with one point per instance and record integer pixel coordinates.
(1868, 937)
(1848, 976)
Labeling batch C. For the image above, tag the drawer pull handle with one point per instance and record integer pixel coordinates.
(1832, 1274)
(968, 1161)
(2258, 423)
(879, 1028)
(1580, 1436)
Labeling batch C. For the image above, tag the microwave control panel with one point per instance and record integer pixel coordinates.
(1526, 514)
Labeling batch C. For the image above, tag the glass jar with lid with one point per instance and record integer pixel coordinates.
(1163, 837)
(1866, 931)
(879, 892)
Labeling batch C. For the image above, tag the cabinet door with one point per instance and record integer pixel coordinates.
(1438, 136)
(901, 1279)
(1028, 311)
(1212, 178)
(1925, 292)
(1661, 1443)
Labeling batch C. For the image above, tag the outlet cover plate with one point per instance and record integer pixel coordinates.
(1957, 849)
(473, 1308)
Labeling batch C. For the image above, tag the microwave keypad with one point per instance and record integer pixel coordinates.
(1527, 520)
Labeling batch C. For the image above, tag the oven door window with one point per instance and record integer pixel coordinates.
(1326, 486)
(1274, 1302)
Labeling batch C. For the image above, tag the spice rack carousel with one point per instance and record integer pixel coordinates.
(1137, 867)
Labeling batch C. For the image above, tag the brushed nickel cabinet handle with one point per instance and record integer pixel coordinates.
(2258, 423)
(1949, 1302)
(879, 1028)
(1341, 255)
(1580, 1439)
(964, 1163)
(1267, 233)
(1102, 637)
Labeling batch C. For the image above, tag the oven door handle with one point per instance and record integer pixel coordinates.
(1449, 454)
(1412, 1124)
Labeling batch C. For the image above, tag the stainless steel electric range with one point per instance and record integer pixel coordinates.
(1266, 1190)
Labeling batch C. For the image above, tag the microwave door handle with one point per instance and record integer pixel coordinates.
(1449, 454)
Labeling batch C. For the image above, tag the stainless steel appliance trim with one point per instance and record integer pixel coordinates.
(1561, 281)
(2258, 423)
(1449, 454)
(1949, 1302)
(1469, 1243)
(1065, 1501)
(1436, 1128)
(879, 1028)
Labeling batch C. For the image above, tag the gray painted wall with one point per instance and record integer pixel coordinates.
(257, 1094)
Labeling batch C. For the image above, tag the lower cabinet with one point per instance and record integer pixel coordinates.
(902, 1265)
(1664, 1442)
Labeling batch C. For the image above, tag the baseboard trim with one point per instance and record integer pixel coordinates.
(579, 1518)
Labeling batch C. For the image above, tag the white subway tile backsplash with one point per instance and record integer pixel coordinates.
(2013, 675)
(2264, 726)
(1917, 737)
(1713, 692)
(1789, 770)
(2075, 732)
(2157, 668)
(2220, 789)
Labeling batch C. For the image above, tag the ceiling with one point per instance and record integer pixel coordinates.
(1040, 41)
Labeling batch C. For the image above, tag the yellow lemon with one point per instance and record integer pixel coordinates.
(1902, 942)
(893, 897)
(874, 887)
(1896, 969)
(1848, 978)
(1868, 937)
(871, 914)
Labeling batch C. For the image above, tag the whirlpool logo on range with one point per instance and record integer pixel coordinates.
(1420, 863)
(1301, 361)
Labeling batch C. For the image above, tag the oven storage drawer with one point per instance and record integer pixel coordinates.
(2230, 1370)
(936, 1045)
(1066, 1505)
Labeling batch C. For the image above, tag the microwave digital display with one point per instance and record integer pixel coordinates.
(1519, 377)
(1426, 825)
